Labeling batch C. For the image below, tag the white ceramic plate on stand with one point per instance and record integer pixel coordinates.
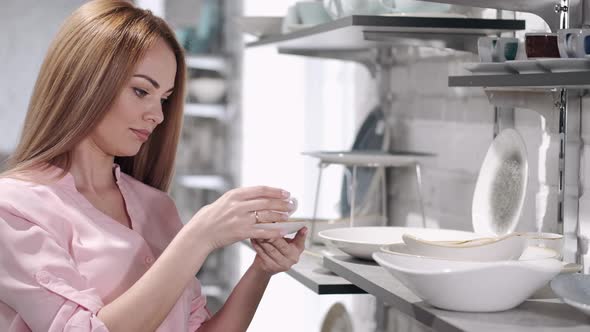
(565, 65)
(489, 68)
(501, 185)
(365, 158)
(362, 242)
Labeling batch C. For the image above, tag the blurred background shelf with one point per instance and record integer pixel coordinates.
(207, 62)
(205, 182)
(211, 111)
(359, 32)
(542, 81)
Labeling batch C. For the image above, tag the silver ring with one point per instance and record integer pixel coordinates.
(256, 216)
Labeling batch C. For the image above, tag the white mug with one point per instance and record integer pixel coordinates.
(497, 49)
(573, 43)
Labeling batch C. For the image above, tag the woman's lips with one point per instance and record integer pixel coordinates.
(142, 135)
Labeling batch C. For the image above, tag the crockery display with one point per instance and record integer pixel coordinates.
(362, 242)
(470, 286)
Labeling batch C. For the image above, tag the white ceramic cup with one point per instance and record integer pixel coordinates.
(497, 49)
(573, 43)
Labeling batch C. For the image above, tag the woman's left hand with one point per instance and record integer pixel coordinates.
(278, 254)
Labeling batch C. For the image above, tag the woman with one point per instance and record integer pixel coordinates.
(90, 240)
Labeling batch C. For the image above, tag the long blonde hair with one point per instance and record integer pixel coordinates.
(88, 63)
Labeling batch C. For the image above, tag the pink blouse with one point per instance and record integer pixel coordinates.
(62, 260)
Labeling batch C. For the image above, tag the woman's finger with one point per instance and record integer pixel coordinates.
(299, 239)
(264, 234)
(284, 261)
(248, 193)
(261, 204)
(266, 216)
(266, 259)
(281, 244)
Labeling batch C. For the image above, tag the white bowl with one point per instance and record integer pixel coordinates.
(529, 253)
(495, 249)
(470, 286)
(362, 242)
(207, 90)
(545, 240)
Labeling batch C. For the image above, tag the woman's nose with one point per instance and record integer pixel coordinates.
(155, 114)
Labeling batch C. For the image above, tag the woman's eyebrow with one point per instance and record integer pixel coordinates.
(152, 81)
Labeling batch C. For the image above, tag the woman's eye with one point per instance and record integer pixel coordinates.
(139, 92)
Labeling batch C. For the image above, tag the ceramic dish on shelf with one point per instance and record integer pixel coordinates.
(366, 158)
(470, 286)
(287, 227)
(529, 253)
(574, 290)
(501, 186)
(508, 247)
(565, 65)
(361, 242)
(526, 66)
(489, 68)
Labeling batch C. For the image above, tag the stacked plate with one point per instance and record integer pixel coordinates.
(468, 275)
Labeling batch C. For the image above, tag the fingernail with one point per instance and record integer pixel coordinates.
(285, 194)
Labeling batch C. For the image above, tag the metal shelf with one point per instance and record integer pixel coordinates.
(544, 81)
(532, 315)
(310, 272)
(212, 111)
(362, 32)
(208, 62)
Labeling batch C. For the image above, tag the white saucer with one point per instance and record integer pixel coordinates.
(565, 65)
(359, 158)
(489, 68)
(288, 226)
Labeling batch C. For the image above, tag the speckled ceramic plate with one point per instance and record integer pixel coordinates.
(573, 289)
(501, 185)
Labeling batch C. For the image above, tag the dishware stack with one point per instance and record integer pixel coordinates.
(566, 50)
(478, 275)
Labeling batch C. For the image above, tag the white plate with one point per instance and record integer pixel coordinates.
(501, 185)
(489, 68)
(526, 66)
(360, 158)
(288, 227)
(573, 289)
(499, 248)
(362, 242)
(565, 65)
(529, 253)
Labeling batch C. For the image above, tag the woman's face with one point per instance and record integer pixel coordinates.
(137, 111)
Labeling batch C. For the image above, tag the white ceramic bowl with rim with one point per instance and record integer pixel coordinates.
(470, 286)
(485, 249)
(362, 242)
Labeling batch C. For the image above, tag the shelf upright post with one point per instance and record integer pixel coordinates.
(384, 63)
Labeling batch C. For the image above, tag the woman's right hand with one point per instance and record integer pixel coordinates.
(232, 217)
